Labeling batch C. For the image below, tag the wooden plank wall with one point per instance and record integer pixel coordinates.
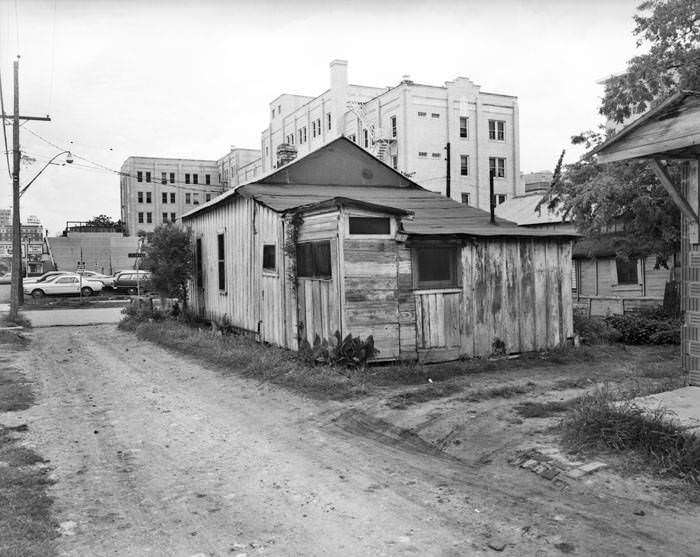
(690, 270)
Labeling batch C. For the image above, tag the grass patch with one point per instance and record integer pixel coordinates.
(20, 321)
(599, 422)
(431, 391)
(502, 391)
(548, 409)
(243, 356)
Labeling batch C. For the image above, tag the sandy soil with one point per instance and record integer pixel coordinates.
(158, 455)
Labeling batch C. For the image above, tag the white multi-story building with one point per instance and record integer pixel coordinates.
(158, 190)
(239, 166)
(411, 127)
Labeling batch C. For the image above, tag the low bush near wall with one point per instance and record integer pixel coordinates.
(348, 352)
(594, 330)
(646, 327)
(597, 421)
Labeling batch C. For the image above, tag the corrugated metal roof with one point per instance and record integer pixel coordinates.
(522, 210)
(433, 214)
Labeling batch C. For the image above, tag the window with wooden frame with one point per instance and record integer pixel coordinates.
(626, 271)
(314, 259)
(221, 258)
(198, 273)
(369, 225)
(463, 126)
(269, 262)
(435, 268)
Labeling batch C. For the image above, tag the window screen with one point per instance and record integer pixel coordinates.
(269, 259)
(436, 268)
(369, 225)
(626, 271)
(314, 260)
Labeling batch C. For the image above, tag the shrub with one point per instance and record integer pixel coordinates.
(138, 311)
(648, 327)
(594, 330)
(349, 351)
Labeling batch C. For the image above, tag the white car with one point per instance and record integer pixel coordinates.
(106, 280)
(44, 277)
(63, 285)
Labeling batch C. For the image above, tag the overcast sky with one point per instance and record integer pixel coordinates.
(190, 79)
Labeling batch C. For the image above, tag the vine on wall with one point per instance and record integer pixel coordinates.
(294, 222)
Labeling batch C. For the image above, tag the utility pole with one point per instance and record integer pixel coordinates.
(16, 292)
(448, 176)
(492, 196)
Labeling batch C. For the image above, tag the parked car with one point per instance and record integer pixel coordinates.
(106, 280)
(63, 284)
(131, 281)
(44, 277)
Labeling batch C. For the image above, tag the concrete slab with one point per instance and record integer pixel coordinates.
(684, 403)
(73, 317)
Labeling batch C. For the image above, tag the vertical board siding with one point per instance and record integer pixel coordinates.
(690, 332)
(527, 321)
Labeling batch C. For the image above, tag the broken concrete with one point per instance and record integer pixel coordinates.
(684, 405)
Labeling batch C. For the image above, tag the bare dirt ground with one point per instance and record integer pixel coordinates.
(159, 455)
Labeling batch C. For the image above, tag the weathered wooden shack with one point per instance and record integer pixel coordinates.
(671, 132)
(337, 240)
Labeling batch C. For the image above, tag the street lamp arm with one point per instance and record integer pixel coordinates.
(69, 160)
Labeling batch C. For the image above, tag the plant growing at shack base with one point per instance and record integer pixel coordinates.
(349, 351)
(294, 222)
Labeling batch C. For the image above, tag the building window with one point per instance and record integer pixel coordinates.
(273, 112)
(172, 217)
(497, 130)
(394, 162)
(198, 262)
(314, 259)
(299, 136)
(195, 199)
(172, 177)
(422, 114)
(267, 150)
(269, 258)
(435, 267)
(365, 134)
(149, 217)
(497, 165)
(195, 178)
(139, 196)
(463, 126)
(164, 197)
(434, 115)
(329, 121)
(222, 262)
(139, 176)
(188, 198)
(187, 178)
(148, 176)
(165, 218)
(279, 109)
(207, 197)
(304, 128)
(465, 198)
(392, 125)
(207, 179)
(318, 125)
(422, 154)
(172, 198)
(313, 128)
(353, 138)
(148, 197)
(626, 271)
(369, 225)
(500, 198)
(464, 165)
(140, 218)
(163, 178)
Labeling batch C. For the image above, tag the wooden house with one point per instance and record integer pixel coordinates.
(671, 132)
(337, 240)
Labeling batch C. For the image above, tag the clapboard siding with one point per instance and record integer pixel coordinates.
(690, 332)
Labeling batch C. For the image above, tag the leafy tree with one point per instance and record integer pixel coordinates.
(626, 197)
(670, 29)
(102, 221)
(169, 257)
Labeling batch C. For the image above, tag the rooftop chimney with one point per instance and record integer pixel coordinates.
(286, 153)
(339, 96)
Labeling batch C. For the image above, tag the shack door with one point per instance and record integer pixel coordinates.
(317, 290)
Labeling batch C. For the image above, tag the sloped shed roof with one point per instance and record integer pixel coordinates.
(341, 172)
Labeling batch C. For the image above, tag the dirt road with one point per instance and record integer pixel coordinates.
(156, 455)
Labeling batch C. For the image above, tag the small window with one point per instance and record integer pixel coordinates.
(172, 177)
(149, 217)
(139, 196)
(163, 178)
(198, 262)
(465, 198)
(422, 114)
(195, 178)
(195, 199)
(222, 262)
(207, 179)
(500, 198)
(165, 218)
(370, 225)
(435, 268)
(394, 162)
(140, 218)
(329, 121)
(139, 176)
(497, 165)
(463, 126)
(365, 134)
(464, 165)
(148, 176)
(207, 197)
(148, 197)
(314, 260)
(392, 125)
(497, 130)
(172, 217)
(422, 154)
(626, 271)
(188, 198)
(434, 115)
(187, 178)
(164, 197)
(269, 258)
(172, 198)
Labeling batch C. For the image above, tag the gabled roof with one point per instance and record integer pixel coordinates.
(342, 173)
(670, 130)
(522, 210)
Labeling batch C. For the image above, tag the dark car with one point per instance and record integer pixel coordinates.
(131, 281)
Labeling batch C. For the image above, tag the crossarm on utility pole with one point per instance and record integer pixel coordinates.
(673, 190)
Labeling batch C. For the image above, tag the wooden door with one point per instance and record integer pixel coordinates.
(438, 322)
